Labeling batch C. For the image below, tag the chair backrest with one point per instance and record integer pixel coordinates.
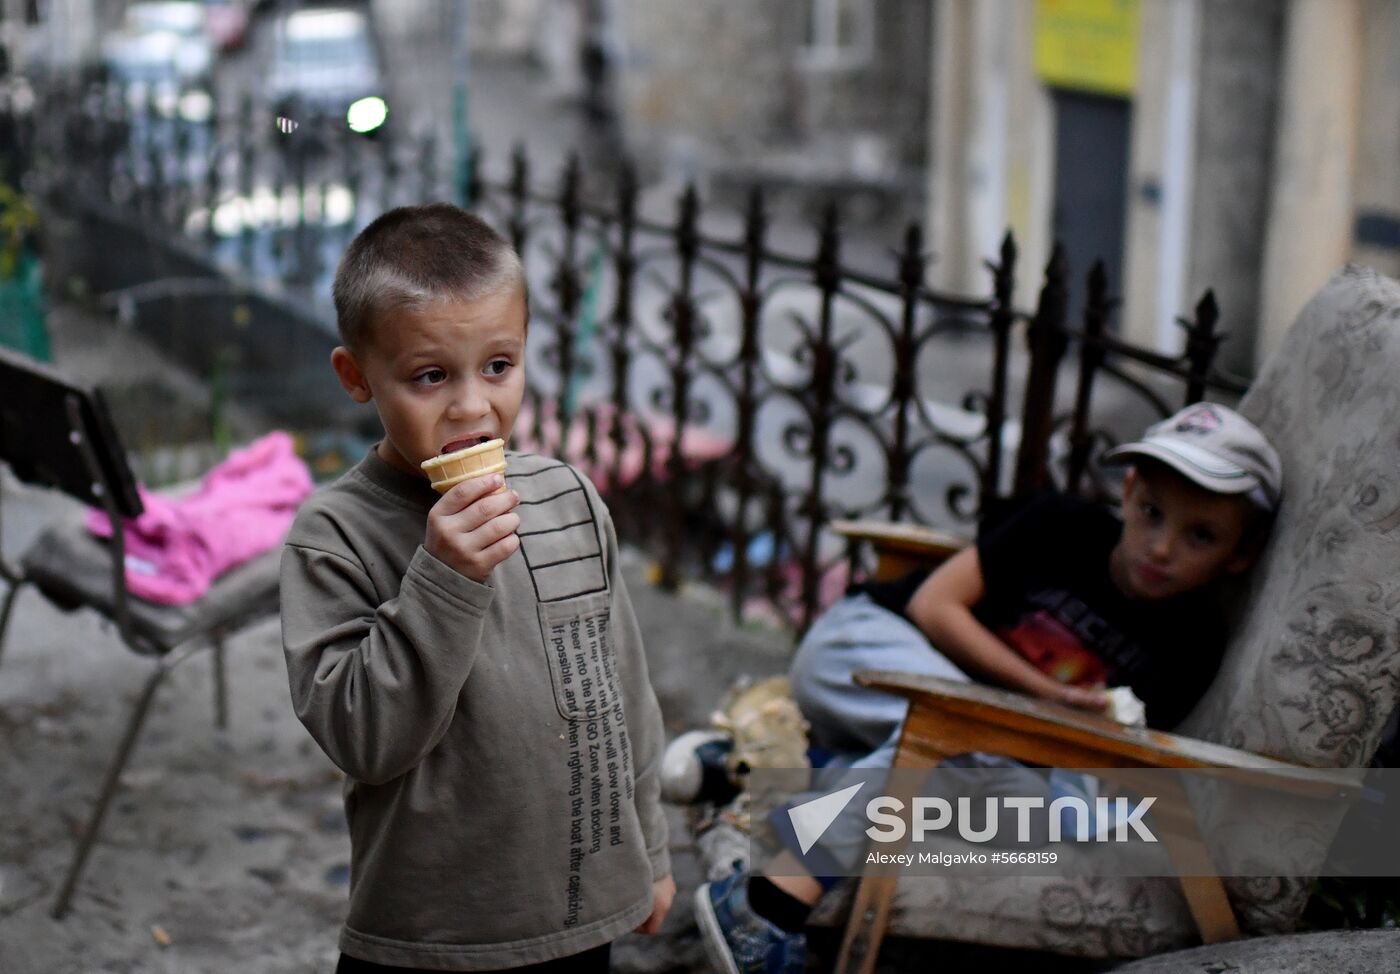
(1313, 669)
(58, 434)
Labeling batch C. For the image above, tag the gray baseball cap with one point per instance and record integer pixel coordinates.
(1213, 446)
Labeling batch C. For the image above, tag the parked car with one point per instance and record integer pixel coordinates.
(185, 17)
(180, 19)
(158, 41)
(325, 63)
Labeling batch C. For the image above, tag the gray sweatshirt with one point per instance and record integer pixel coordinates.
(501, 740)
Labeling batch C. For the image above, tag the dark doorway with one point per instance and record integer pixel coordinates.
(1091, 185)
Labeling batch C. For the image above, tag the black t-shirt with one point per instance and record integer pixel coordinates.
(1051, 598)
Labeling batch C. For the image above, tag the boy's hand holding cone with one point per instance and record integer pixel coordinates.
(472, 526)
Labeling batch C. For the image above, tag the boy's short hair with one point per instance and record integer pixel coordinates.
(412, 256)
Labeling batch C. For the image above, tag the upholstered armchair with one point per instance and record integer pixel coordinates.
(1310, 677)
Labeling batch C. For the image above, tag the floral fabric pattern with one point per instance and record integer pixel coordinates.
(1313, 668)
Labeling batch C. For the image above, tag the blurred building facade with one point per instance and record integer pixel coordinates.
(830, 96)
(1252, 146)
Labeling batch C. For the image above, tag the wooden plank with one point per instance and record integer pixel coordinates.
(901, 548)
(870, 910)
(1210, 908)
(1195, 869)
(1095, 739)
(970, 718)
(865, 930)
(913, 538)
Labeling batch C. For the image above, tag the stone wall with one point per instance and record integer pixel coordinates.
(1237, 103)
(1377, 227)
(700, 80)
(708, 90)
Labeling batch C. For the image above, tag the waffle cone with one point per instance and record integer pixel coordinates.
(450, 469)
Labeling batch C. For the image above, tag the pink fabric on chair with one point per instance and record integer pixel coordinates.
(241, 508)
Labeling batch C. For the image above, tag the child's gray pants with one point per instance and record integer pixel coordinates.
(861, 726)
(857, 724)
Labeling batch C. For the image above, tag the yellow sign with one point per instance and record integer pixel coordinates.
(1090, 45)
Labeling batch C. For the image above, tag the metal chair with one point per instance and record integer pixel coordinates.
(57, 434)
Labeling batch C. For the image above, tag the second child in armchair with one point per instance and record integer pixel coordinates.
(1059, 600)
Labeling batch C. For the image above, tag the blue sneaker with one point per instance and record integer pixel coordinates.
(738, 940)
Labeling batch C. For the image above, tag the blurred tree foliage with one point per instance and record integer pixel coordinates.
(18, 224)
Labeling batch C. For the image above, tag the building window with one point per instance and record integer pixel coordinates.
(840, 35)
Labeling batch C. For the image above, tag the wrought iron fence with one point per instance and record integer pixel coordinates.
(730, 397)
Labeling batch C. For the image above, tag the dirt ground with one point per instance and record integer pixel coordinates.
(226, 850)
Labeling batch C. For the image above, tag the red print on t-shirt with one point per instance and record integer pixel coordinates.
(1054, 649)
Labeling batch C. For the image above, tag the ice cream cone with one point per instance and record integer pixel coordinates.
(450, 469)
